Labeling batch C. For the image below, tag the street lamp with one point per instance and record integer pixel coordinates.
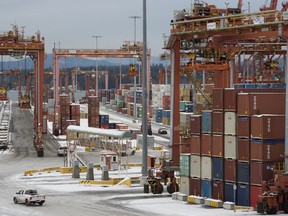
(96, 65)
(134, 109)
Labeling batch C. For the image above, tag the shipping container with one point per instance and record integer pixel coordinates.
(206, 121)
(184, 185)
(243, 172)
(195, 166)
(195, 125)
(243, 195)
(218, 99)
(206, 144)
(206, 188)
(206, 167)
(195, 186)
(217, 122)
(267, 150)
(218, 145)
(261, 171)
(185, 165)
(243, 127)
(218, 190)
(195, 147)
(243, 150)
(260, 103)
(230, 170)
(267, 126)
(184, 147)
(255, 192)
(230, 192)
(217, 168)
(230, 99)
(166, 102)
(230, 123)
(189, 107)
(230, 147)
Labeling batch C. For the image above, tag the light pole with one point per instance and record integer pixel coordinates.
(134, 109)
(96, 65)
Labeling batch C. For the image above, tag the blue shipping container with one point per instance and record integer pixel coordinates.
(206, 188)
(243, 195)
(229, 192)
(166, 113)
(206, 121)
(277, 85)
(250, 85)
(237, 86)
(243, 173)
(217, 168)
(263, 85)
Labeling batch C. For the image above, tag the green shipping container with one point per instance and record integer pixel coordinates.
(139, 112)
(120, 104)
(182, 105)
(184, 164)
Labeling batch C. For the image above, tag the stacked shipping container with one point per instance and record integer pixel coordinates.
(93, 111)
(64, 102)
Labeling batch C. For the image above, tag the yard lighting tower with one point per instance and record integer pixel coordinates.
(96, 65)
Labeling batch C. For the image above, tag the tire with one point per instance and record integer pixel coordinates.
(172, 187)
(27, 202)
(286, 207)
(260, 207)
(159, 189)
(271, 211)
(40, 203)
(15, 200)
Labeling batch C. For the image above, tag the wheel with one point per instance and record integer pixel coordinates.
(260, 207)
(286, 206)
(172, 187)
(271, 211)
(15, 200)
(40, 203)
(27, 202)
(159, 189)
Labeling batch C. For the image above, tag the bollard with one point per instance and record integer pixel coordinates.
(90, 172)
(76, 170)
(105, 174)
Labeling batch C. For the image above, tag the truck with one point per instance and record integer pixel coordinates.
(28, 197)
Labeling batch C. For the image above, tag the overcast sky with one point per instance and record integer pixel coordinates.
(73, 22)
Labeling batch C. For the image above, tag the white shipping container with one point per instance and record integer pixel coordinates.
(184, 185)
(195, 166)
(230, 123)
(185, 119)
(206, 168)
(230, 147)
(150, 141)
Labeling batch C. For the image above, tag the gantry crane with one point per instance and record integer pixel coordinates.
(15, 72)
(130, 49)
(13, 43)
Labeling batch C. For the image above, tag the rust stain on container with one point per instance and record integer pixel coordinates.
(206, 144)
(217, 145)
(260, 103)
(268, 126)
(217, 122)
(267, 150)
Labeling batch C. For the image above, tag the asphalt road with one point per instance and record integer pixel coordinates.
(23, 157)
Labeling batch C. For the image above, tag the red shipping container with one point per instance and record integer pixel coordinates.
(217, 122)
(195, 125)
(267, 150)
(255, 192)
(268, 126)
(218, 99)
(243, 127)
(218, 190)
(217, 145)
(195, 147)
(261, 171)
(195, 186)
(206, 144)
(230, 99)
(184, 147)
(166, 102)
(243, 150)
(249, 104)
(230, 171)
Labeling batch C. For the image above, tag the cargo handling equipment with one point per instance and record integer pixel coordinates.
(275, 195)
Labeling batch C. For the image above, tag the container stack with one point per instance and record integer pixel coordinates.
(75, 113)
(93, 111)
(235, 146)
(64, 102)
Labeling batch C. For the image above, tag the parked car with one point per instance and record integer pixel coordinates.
(28, 197)
(62, 151)
(162, 130)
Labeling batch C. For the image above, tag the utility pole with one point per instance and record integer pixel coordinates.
(96, 65)
(134, 109)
